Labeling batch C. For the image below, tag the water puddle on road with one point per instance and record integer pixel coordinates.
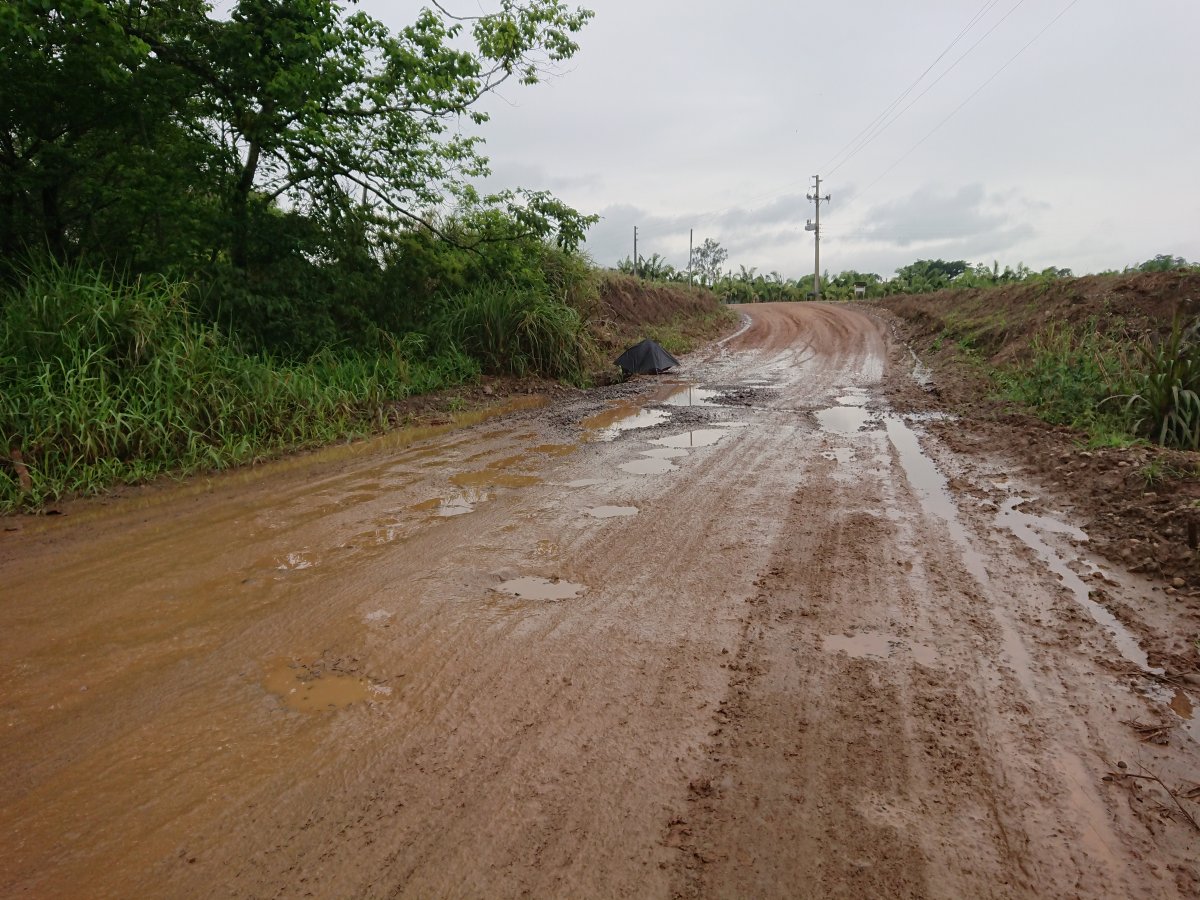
(532, 588)
(842, 455)
(612, 512)
(1028, 529)
(931, 489)
(876, 645)
(846, 421)
(624, 415)
(702, 437)
(456, 505)
(665, 453)
(295, 562)
(691, 395)
(583, 482)
(316, 688)
(648, 465)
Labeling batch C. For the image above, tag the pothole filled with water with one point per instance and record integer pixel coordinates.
(621, 417)
(702, 437)
(318, 686)
(876, 645)
(532, 588)
(846, 421)
(648, 465)
(612, 512)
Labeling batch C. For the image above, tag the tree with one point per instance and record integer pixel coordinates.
(707, 260)
(295, 101)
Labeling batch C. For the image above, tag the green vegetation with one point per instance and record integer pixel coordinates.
(227, 233)
(921, 277)
(1092, 376)
(110, 381)
(1164, 403)
(1073, 377)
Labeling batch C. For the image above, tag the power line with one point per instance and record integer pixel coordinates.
(871, 138)
(858, 194)
(908, 90)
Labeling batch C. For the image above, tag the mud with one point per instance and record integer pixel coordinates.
(800, 659)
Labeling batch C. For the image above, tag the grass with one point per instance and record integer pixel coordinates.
(516, 332)
(1070, 379)
(1164, 400)
(104, 382)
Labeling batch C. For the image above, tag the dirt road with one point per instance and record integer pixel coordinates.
(751, 634)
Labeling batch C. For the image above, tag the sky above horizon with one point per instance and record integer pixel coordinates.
(1048, 132)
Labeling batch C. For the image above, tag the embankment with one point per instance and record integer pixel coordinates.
(1040, 373)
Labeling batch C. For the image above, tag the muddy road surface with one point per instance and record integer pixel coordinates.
(745, 631)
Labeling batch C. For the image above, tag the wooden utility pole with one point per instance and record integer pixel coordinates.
(815, 228)
(635, 265)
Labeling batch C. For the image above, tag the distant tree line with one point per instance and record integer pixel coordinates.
(748, 285)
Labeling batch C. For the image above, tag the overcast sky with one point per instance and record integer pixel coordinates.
(1083, 151)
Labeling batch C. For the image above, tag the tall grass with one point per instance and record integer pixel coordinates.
(517, 332)
(103, 382)
(1070, 378)
(1117, 389)
(1164, 400)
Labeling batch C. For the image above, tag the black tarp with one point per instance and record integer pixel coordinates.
(646, 357)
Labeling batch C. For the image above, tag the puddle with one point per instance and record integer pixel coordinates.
(583, 482)
(493, 478)
(294, 562)
(648, 465)
(623, 416)
(314, 688)
(1181, 703)
(458, 505)
(531, 588)
(1028, 529)
(844, 420)
(875, 645)
(703, 437)
(854, 397)
(930, 487)
(690, 395)
(920, 373)
(612, 512)
(665, 453)
(839, 454)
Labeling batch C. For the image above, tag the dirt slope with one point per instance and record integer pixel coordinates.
(1137, 503)
(748, 634)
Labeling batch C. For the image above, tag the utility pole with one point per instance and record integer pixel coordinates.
(691, 232)
(815, 228)
(635, 266)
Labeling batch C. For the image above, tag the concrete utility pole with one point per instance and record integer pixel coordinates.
(634, 251)
(815, 228)
(691, 233)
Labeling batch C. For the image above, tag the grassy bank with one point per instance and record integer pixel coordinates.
(1116, 357)
(108, 382)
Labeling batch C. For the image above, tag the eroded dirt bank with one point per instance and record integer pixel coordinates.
(750, 634)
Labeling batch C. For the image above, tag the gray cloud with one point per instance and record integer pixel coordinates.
(677, 108)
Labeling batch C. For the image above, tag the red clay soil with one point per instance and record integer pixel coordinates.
(1136, 504)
